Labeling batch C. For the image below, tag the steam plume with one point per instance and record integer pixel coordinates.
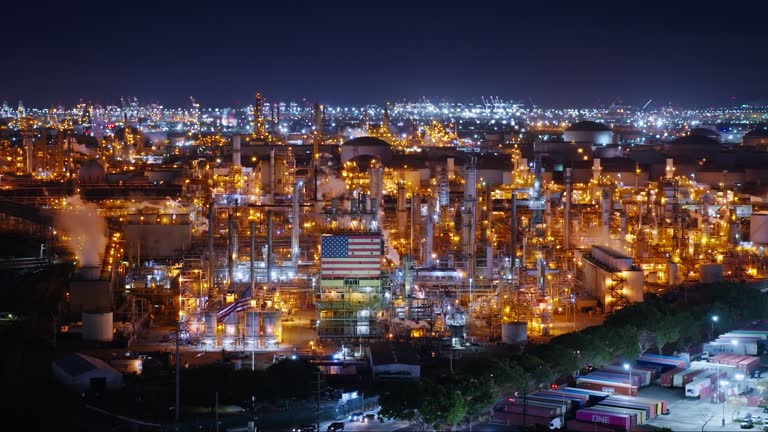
(84, 230)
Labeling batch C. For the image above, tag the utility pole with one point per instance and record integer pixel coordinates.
(217, 411)
(317, 398)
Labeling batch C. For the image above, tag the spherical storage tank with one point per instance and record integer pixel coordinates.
(758, 228)
(514, 333)
(97, 326)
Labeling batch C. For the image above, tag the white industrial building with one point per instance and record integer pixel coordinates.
(81, 373)
(610, 276)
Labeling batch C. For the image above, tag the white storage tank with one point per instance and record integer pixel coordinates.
(273, 325)
(758, 228)
(252, 324)
(514, 333)
(711, 273)
(97, 326)
(210, 324)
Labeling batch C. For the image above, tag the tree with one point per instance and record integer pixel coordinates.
(403, 402)
(293, 378)
(667, 330)
(645, 341)
(478, 393)
(507, 376)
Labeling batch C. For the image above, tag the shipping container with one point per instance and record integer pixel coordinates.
(594, 395)
(665, 379)
(607, 387)
(651, 408)
(643, 375)
(603, 417)
(577, 400)
(643, 411)
(589, 426)
(693, 388)
(660, 405)
(615, 376)
(669, 362)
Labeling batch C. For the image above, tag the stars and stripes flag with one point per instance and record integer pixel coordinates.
(242, 303)
(351, 256)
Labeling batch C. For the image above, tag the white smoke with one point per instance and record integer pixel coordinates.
(389, 251)
(84, 230)
(330, 187)
(351, 133)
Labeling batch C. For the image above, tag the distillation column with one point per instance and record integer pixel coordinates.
(295, 225)
(236, 158)
(430, 227)
(402, 214)
(468, 215)
(567, 211)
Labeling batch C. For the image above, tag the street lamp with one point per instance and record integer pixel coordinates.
(723, 383)
(714, 320)
(628, 368)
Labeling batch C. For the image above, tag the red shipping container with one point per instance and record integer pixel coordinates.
(691, 375)
(666, 377)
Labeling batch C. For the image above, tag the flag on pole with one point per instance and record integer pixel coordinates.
(242, 303)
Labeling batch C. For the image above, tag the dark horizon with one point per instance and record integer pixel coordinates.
(550, 56)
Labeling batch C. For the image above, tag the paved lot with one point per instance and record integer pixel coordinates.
(689, 414)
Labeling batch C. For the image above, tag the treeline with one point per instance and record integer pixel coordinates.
(675, 322)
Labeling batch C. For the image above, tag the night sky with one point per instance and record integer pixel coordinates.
(568, 54)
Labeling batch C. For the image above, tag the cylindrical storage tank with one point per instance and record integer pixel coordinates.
(210, 324)
(711, 273)
(97, 326)
(252, 324)
(758, 228)
(272, 324)
(514, 333)
(230, 325)
(672, 273)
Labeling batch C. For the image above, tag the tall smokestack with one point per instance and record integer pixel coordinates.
(295, 226)
(211, 258)
(402, 215)
(430, 225)
(271, 194)
(469, 214)
(230, 249)
(567, 215)
(236, 150)
(252, 267)
(606, 209)
(268, 258)
(513, 229)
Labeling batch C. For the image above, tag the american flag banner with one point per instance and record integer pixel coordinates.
(351, 256)
(242, 303)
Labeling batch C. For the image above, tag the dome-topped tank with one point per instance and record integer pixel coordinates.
(368, 146)
(588, 131)
(756, 137)
(92, 172)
